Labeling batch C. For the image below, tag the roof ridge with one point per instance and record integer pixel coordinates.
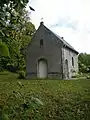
(60, 38)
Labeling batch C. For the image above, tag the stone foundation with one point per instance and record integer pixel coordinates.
(51, 75)
(54, 75)
(31, 75)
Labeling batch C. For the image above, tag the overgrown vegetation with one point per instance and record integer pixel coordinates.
(44, 99)
(22, 75)
(16, 31)
(84, 63)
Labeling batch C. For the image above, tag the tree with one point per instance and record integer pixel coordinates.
(16, 31)
(17, 39)
(3, 50)
(84, 62)
(9, 9)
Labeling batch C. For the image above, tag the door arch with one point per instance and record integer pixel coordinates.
(42, 68)
(66, 69)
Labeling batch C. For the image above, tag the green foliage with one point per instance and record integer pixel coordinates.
(4, 72)
(18, 43)
(3, 50)
(4, 53)
(88, 77)
(84, 62)
(16, 32)
(9, 15)
(22, 75)
(19, 106)
(62, 100)
(3, 116)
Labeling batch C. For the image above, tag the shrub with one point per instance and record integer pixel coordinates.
(22, 75)
(77, 75)
(74, 76)
(88, 77)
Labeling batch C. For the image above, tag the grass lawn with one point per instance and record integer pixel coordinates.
(62, 99)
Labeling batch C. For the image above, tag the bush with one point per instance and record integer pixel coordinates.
(74, 76)
(22, 75)
(78, 75)
(88, 77)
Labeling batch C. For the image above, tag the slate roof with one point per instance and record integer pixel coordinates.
(63, 41)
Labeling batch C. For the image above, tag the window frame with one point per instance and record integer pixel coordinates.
(41, 43)
(73, 61)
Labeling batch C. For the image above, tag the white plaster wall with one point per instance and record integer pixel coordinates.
(68, 54)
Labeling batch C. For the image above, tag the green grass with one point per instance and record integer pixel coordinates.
(62, 99)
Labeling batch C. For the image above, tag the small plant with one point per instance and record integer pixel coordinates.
(73, 71)
(88, 77)
(22, 75)
(74, 76)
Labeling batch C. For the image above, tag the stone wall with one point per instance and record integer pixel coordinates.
(68, 54)
(49, 51)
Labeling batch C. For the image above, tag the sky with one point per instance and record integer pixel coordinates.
(67, 18)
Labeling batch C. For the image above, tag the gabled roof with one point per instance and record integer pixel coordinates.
(65, 44)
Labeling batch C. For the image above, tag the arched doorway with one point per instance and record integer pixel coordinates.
(42, 68)
(66, 69)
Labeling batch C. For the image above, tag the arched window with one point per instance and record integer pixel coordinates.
(41, 43)
(72, 61)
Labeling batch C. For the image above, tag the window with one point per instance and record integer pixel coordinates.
(41, 43)
(72, 61)
(69, 52)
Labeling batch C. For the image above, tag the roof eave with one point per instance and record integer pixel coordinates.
(71, 49)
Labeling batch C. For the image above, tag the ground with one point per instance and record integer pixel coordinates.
(57, 99)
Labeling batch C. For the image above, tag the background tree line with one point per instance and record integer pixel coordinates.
(84, 62)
